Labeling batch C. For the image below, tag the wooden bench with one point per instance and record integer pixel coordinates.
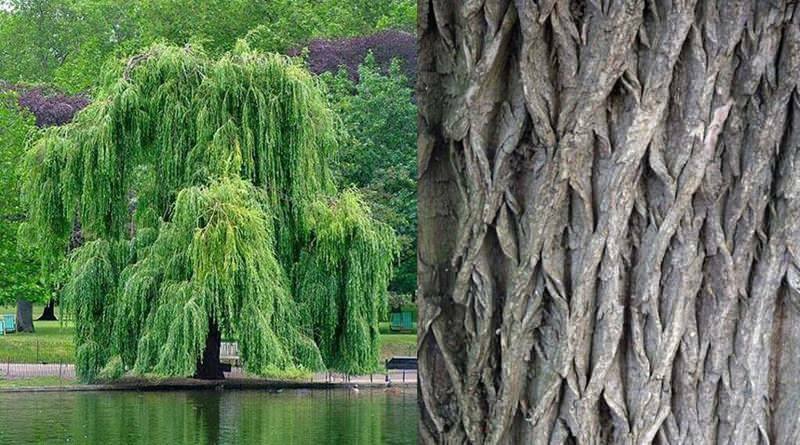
(401, 363)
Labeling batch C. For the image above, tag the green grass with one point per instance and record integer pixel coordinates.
(396, 344)
(34, 382)
(52, 342)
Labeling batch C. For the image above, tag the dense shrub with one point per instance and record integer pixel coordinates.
(328, 55)
(401, 302)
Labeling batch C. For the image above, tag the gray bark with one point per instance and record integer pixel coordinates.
(609, 221)
(24, 316)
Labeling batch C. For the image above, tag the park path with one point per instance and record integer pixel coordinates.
(67, 372)
(28, 370)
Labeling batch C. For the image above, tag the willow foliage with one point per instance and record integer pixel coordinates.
(203, 191)
(338, 280)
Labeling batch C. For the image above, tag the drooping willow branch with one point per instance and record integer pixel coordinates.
(203, 191)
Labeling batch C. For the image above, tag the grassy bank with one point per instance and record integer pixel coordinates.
(35, 382)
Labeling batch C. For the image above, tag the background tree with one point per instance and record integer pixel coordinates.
(66, 42)
(49, 106)
(293, 22)
(608, 241)
(369, 88)
(19, 280)
(379, 157)
(329, 55)
(21, 107)
(37, 36)
(204, 196)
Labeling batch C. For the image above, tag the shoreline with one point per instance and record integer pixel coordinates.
(234, 384)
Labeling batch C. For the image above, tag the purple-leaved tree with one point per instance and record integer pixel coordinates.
(50, 107)
(328, 55)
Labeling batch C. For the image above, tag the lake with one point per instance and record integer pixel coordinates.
(210, 417)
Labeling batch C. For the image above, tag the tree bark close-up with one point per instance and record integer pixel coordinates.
(609, 221)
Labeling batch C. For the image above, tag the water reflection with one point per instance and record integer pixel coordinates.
(209, 417)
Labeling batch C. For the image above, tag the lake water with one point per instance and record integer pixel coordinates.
(210, 417)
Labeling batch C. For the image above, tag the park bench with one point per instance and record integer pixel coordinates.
(229, 353)
(401, 321)
(8, 323)
(401, 364)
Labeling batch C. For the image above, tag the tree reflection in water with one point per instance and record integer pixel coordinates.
(210, 417)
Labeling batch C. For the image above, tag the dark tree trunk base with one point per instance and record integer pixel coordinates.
(209, 366)
(24, 316)
(49, 313)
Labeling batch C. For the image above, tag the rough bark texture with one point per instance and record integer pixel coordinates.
(209, 367)
(49, 312)
(24, 316)
(609, 240)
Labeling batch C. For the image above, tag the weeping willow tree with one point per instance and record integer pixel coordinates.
(203, 195)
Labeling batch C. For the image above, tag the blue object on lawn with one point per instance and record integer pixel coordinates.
(9, 323)
(402, 321)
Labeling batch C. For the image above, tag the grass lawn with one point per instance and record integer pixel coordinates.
(34, 382)
(396, 344)
(52, 342)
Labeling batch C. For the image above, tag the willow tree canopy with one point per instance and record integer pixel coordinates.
(202, 191)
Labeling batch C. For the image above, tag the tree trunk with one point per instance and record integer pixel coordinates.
(209, 366)
(609, 198)
(49, 313)
(24, 316)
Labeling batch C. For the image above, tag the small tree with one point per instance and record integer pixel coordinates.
(203, 193)
(18, 282)
(20, 107)
(49, 107)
